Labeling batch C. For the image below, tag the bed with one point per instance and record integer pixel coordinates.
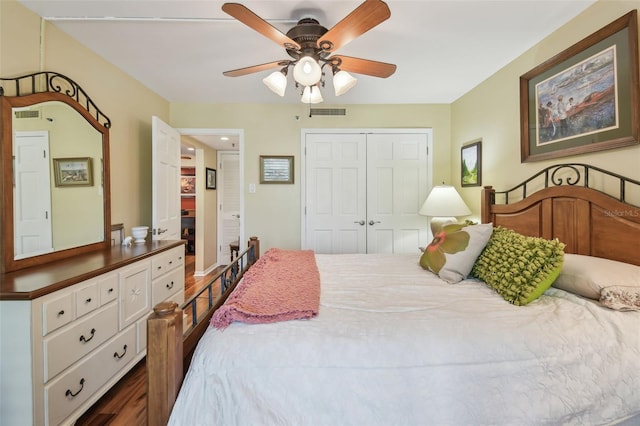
(393, 343)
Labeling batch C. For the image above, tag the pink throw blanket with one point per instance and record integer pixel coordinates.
(282, 285)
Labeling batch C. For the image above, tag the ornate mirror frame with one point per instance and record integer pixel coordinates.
(28, 90)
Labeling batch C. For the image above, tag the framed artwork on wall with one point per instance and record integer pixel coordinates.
(211, 178)
(584, 99)
(188, 186)
(471, 164)
(276, 169)
(73, 171)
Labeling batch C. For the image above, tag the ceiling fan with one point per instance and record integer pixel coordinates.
(310, 45)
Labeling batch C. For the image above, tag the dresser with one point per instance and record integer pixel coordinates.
(70, 330)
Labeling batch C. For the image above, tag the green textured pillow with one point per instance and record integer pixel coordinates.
(518, 267)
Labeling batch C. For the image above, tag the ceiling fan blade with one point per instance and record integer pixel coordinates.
(256, 68)
(363, 66)
(359, 21)
(247, 17)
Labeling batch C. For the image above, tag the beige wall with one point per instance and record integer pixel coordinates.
(124, 100)
(491, 111)
(273, 211)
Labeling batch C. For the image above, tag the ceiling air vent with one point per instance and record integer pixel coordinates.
(327, 111)
(28, 113)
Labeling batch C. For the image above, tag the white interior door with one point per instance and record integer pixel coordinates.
(335, 192)
(32, 195)
(229, 202)
(166, 181)
(363, 192)
(397, 185)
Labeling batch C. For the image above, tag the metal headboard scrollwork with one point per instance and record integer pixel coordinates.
(48, 81)
(571, 174)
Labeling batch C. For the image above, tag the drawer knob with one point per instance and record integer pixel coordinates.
(69, 393)
(88, 300)
(61, 313)
(110, 290)
(117, 355)
(85, 340)
(170, 286)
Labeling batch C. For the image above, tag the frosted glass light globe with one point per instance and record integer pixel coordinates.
(311, 95)
(307, 71)
(277, 82)
(342, 82)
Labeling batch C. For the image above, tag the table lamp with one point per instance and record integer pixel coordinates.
(443, 204)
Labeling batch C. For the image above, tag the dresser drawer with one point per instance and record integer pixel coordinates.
(108, 287)
(86, 299)
(56, 313)
(69, 391)
(167, 261)
(167, 286)
(78, 339)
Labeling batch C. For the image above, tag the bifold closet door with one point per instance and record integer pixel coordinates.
(363, 192)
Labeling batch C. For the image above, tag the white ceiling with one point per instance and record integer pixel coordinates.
(442, 48)
(179, 48)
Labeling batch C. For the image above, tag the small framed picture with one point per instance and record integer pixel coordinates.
(471, 164)
(276, 169)
(211, 178)
(73, 171)
(188, 186)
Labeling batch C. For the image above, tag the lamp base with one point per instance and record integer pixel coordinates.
(437, 223)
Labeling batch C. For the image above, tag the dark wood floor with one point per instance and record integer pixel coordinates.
(126, 403)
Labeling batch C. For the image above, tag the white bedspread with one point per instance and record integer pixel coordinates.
(394, 345)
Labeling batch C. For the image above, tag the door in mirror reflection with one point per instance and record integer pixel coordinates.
(32, 194)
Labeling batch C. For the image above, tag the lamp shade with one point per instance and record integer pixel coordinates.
(277, 82)
(343, 81)
(307, 71)
(311, 95)
(444, 200)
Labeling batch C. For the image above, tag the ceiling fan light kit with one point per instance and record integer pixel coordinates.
(310, 44)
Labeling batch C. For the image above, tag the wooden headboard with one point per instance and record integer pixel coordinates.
(566, 205)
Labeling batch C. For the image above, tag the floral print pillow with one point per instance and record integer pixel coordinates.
(454, 250)
(621, 298)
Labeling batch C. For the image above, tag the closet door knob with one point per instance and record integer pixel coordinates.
(361, 223)
(371, 222)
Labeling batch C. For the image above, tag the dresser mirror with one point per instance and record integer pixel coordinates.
(55, 171)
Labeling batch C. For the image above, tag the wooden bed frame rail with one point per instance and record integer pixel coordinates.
(169, 350)
(587, 220)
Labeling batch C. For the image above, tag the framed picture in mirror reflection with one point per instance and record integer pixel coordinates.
(73, 171)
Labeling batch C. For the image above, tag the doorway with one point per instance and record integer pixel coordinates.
(210, 236)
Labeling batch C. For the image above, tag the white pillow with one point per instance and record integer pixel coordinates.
(587, 275)
(453, 264)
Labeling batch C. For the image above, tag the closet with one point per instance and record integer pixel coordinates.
(362, 190)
